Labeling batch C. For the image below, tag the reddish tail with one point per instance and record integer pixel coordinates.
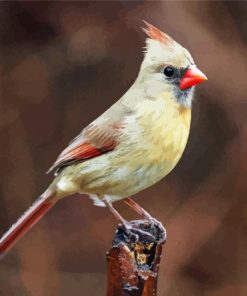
(26, 221)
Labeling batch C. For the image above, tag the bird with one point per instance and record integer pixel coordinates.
(132, 145)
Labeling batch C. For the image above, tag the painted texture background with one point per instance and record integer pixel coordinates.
(62, 64)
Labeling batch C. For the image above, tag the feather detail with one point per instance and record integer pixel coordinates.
(155, 34)
(93, 141)
(83, 151)
(97, 201)
(26, 221)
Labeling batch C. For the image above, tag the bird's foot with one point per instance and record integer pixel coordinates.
(137, 232)
(154, 222)
(137, 208)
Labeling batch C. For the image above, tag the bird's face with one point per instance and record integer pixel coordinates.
(169, 67)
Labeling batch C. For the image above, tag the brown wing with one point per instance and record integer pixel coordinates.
(93, 141)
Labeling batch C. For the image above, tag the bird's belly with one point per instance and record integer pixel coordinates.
(115, 174)
(144, 160)
(120, 175)
(124, 181)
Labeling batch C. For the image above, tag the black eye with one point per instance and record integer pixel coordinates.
(169, 71)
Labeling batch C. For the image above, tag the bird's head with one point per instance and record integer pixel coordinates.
(168, 66)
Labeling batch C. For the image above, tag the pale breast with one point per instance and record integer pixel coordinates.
(153, 143)
(163, 127)
(150, 146)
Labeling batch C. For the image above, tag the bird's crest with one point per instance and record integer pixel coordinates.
(155, 34)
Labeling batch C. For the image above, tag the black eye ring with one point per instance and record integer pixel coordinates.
(169, 71)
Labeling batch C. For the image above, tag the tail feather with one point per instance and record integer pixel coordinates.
(26, 221)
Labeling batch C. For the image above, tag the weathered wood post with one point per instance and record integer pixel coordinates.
(133, 261)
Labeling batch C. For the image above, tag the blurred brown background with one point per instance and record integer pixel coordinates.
(62, 64)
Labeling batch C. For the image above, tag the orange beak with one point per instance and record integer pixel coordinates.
(192, 76)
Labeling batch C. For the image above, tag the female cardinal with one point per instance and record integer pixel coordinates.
(131, 146)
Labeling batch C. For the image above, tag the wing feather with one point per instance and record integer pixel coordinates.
(94, 140)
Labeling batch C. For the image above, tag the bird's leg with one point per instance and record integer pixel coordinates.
(128, 227)
(137, 208)
(115, 213)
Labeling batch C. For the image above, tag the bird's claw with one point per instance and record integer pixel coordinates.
(131, 230)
